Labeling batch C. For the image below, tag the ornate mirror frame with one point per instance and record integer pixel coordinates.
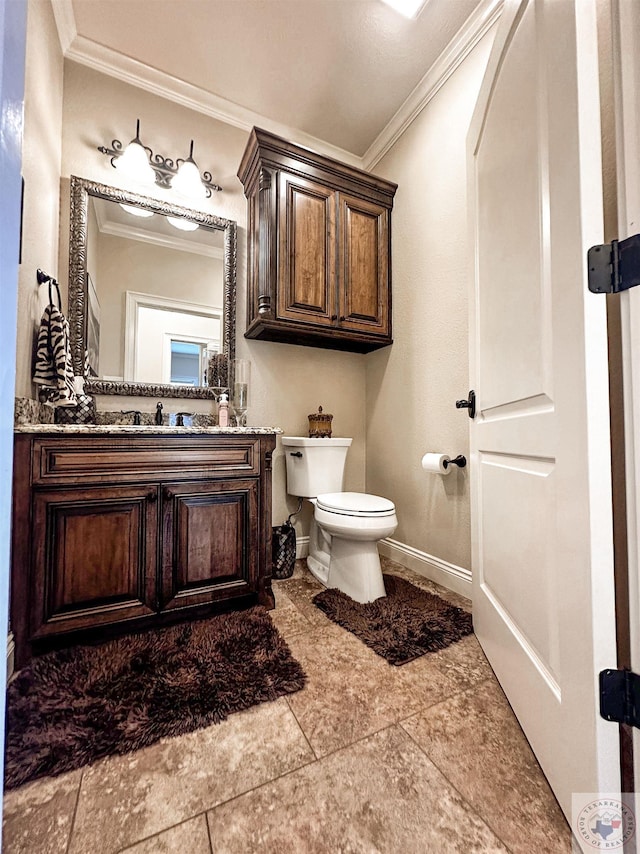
(81, 189)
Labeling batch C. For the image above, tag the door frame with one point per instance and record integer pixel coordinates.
(13, 30)
(625, 25)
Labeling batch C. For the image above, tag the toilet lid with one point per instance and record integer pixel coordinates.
(355, 504)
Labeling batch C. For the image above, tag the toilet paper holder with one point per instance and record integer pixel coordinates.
(459, 461)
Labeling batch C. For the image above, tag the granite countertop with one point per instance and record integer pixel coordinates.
(142, 430)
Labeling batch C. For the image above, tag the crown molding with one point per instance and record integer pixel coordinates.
(107, 61)
(116, 229)
(467, 37)
(65, 23)
(86, 52)
(155, 238)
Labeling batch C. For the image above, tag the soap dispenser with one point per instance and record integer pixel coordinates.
(223, 411)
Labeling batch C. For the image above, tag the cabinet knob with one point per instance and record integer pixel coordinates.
(342, 317)
(166, 492)
(334, 317)
(152, 496)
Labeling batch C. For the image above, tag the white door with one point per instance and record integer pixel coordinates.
(541, 493)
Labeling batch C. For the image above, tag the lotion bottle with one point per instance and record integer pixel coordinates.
(223, 411)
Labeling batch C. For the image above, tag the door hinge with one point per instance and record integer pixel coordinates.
(620, 697)
(615, 266)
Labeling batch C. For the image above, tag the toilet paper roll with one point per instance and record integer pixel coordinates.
(435, 463)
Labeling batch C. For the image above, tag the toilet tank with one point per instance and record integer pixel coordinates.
(314, 466)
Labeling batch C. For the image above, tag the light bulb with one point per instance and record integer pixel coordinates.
(131, 209)
(134, 163)
(182, 224)
(188, 181)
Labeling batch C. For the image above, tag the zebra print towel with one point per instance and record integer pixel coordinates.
(53, 370)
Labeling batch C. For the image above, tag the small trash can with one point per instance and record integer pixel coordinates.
(283, 550)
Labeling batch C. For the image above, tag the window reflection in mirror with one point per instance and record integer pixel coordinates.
(186, 362)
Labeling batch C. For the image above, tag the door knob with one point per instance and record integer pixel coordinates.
(469, 404)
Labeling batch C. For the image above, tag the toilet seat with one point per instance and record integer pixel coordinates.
(355, 504)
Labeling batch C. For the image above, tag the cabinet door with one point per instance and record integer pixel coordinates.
(364, 251)
(209, 536)
(94, 557)
(306, 250)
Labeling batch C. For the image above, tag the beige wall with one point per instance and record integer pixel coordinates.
(288, 382)
(412, 386)
(41, 170)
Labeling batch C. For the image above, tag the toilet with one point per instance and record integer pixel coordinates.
(346, 526)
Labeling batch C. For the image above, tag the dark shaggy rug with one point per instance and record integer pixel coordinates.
(401, 626)
(70, 707)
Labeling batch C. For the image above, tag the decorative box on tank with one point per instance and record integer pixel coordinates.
(320, 424)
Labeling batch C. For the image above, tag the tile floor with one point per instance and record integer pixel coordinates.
(367, 759)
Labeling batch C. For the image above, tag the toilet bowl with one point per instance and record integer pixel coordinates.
(346, 526)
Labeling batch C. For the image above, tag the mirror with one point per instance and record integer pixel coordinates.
(152, 292)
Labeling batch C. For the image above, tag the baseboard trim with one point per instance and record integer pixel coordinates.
(302, 547)
(455, 578)
(11, 656)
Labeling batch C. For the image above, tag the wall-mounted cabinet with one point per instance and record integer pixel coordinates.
(113, 533)
(319, 235)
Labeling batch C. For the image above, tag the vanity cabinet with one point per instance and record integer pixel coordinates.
(121, 533)
(319, 237)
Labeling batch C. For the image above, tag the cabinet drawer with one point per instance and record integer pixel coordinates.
(65, 459)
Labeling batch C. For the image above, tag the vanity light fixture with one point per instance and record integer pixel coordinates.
(138, 162)
(408, 8)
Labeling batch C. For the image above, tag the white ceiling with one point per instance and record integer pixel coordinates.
(330, 70)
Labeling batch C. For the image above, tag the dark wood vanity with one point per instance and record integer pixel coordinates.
(122, 532)
(319, 248)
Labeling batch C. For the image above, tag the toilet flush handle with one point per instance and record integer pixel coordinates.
(295, 453)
